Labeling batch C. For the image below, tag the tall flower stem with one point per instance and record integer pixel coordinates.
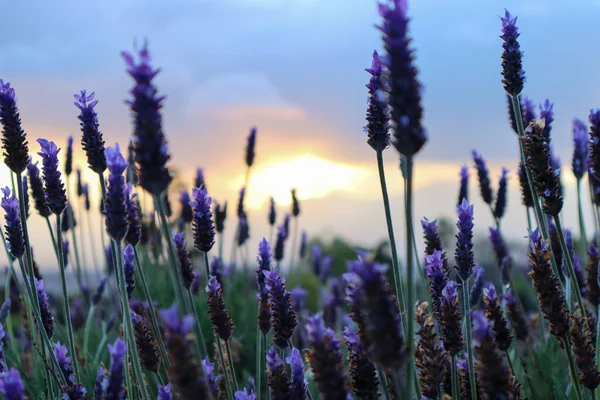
(153, 320)
(567, 256)
(231, 365)
(388, 218)
(580, 215)
(65, 294)
(175, 278)
(127, 325)
(200, 336)
(221, 240)
(455, 384)
(73, 235)
(294, 243)
(52, 236)
(467, 323)
(207, 265)
(598, 343)
(410, 340)
(86, 331)
(574, 377)
(539, 215)
(258, 372)
(224, 366)
(92, 248)
(529, 226)
(82, 242)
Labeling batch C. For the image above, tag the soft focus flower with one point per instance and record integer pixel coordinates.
(69, 157)
(494, 314)
(220, 216)
(129, 270)
(115, 386)
(498, 245)
(272, 212)
(363, 374)
(295, 204)
(279, 244)
(185, 264)
(213, 381)
(298, 383)
(377, 129)
(477, 288)
(99, 291)
(11, 385)
(547, 114)
(463, 192)
(526, 195)
(450, 319)
(147, 348)
(277, 376)
(264, 262)
(483, 176)
(164, 392)
(302, 249)
(14, 140)
(134, 227)
(91, 139)
(187, 215)
(222, 323)
(580, 148)
(37, 190)
(501, 197)
(47, 317)
(250, 154)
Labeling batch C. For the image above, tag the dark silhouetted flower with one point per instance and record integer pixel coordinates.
(86, 195)
(404, 87)
(463, 255)
(295, 204)
(514, 311)
(250, 154)
(129, 269)
(279, 244)
(204, 230)
(91, 139)
(277, 376)
(134, 227)
(222, 323)
(56, 196)
(115, 207)
(463, 192)
(493, 312)
(69, 157)
(580, 148)
(500, 205)
(429, 358)
(37, 190)
(14, 231)
(147, 349)
(593, 286)
(585, 353)
(477, 288)
(47, 317)
(264, 262)
(377, 129)
(450, 319)
(595, 141)
(500, 249)
(99, 291)
(438, 278)
(512, 64)
(149, 141)
(363, 374)
(483, 176)
(14, 140)
(132, 174)
(244, 231)
(187, 215)
(283, 317)
(302, 249)
(272, 212)
(185, 264)
(526, 195)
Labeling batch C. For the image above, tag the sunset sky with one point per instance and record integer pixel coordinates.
(295, 70)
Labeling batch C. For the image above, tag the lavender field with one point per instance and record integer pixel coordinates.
(128, 278)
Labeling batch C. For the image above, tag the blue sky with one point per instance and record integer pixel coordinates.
(295, 69)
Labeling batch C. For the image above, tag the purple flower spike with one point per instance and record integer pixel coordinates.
(222, 323)
(529, 111)
(199, 180)
(484, 178)
(464, 241)
(500, 205)
(579, 274)
(91, 139)
(250, 154)
(277, 377)
(477, 288)
(164, 392)
(302, 250)
(99, 291)
(481, 327)
(150, 145)
(378, 136)
(363, 375)
(437, 280)
(272, 212)
(37, 191)
(47, 317)
(185, 264)
(295, 204)
(187, 215)
(11, 385)
(450, 319)
(220, 217)
(498, 245)
(547, 113)
(463, 192)
(195, 287)
(325, 359)
(512, 64)
(405, 88)
(244, 395)
(14, 231)
(60, 352)
(204, 230)
(115, 388)
(280, 244)
(264, 262)
(298, 383)
(14, 140)
(56, 196)
(134, 227)
(240, 207)
(69, 157)
(129, 269)
(580, 149)
(212, 380)
(115, 203)
(594, 119)
(283, 317)
(489, 291)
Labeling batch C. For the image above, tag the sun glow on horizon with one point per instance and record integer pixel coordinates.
(313, 177)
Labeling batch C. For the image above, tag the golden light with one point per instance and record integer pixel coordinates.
(313, 177)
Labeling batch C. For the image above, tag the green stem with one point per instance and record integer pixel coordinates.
(398, 383)
(574, 377)
(529, 226)
(258, 372)
(409, 277)
(294, 240)
(455, 384)
(231, 365)
(510, 364)
(100, 348)
(224, 365)
(86, 332)
(201, 343)
(52, 236)
(398, 285)
(567, 256)
(207, 265)
(384, 384)
(128, 326)
(581, 219)
(65, 293)
(82, 242)
(73, 235)
(92, 248)
(152, 312)
(469, 344)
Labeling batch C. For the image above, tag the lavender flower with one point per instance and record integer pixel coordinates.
(433, 241)
(69, 157)
(240, 205)
(164, 392)
(547, 114)
(115, 388)
(302, 250)
(65, 250)
(99, 291)
(37, 191)
(185, 264)
(56, 196)
(594, 119)
(86, 195)
(500, 205)
(25, 196)
(250, 154)
(528, 110)
(279, 244)
(132, 174)
(129, 270)
(149, 142)
(14, 231)
(494, 314)
(463, 254)
(579, 274)
(477, 288)
(47, 317)
(204, 230)
(187, 214)
(498, 245)
(264, 262)
(195, 287)
(516, 316)
(68, 221)
(325, 359)
(220, 216)
(2, 336)
(115, 205)
(222, 323)
(295, 204)
(14, 140)
(484, 178)
(244, 395)
(134, 227)
(512, 65)
(580, 149)
(438, 278)
(286, 225)
(91, 139)
(544, 175)
(298, 384)
(526, 195)
(429, 358)
(11, 385)
(199, 180)
(463, 192)
(79, 183)
(363, 375)
(60, 352)
(277, 377)
(405, 89)
(212, 380)
(272, 212)
(450, 319)
(244, 233)
(147, 348)
(99, 384)
(378, 136)
(283, 317)
(382, 315)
